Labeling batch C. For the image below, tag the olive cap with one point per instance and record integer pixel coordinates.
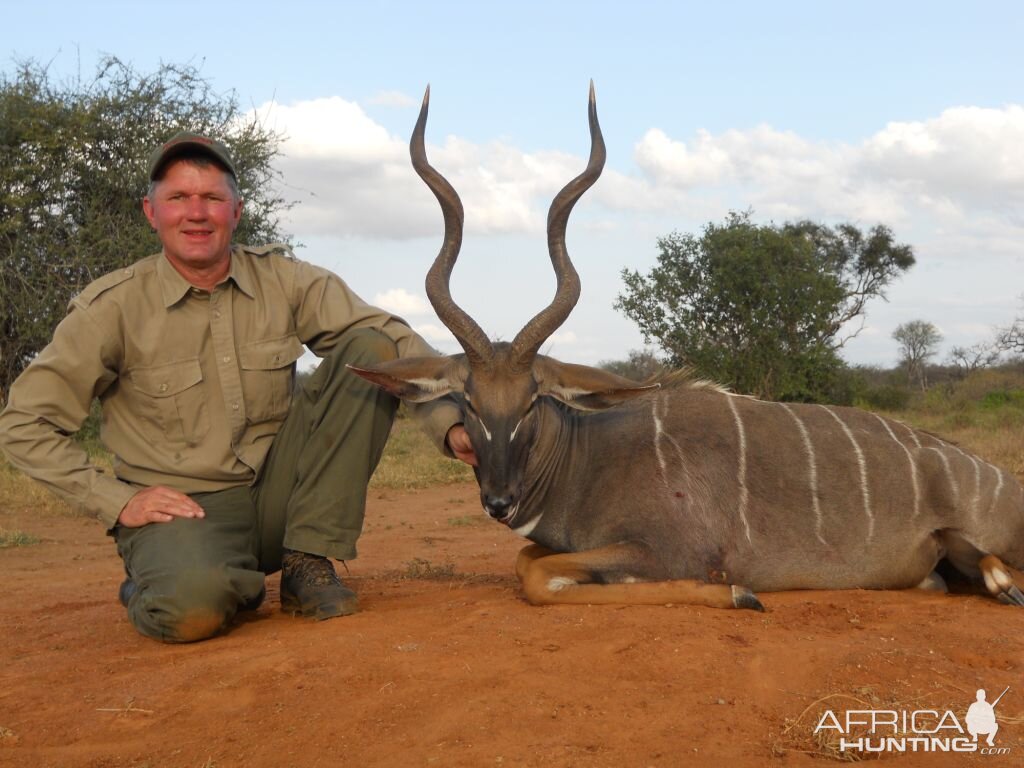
(187, 142)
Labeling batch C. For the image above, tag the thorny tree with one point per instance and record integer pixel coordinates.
(919, 341)
(73, 171)
(1011, 338)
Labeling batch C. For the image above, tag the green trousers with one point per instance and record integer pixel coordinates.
(192, 575)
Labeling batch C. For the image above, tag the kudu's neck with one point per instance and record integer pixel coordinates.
(556, 454)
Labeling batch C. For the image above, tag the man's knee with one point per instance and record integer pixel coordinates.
(197, 605)
(361, 347)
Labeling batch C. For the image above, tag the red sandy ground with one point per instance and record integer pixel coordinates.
(446, 665)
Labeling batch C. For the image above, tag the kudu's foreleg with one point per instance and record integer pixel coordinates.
(1003, 582)
(527, 555)
(571, 578)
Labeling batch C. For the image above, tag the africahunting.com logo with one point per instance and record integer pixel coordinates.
(919, 730)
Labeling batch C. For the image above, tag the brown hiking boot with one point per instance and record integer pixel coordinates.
(310, 586)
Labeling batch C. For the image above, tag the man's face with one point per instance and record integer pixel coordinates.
(194, 212)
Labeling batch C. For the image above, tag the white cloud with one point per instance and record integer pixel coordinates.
(351, 177)
(675, 164)
(437, 335)
(347, 172)
(400, 302)
(330, 128)
(964, 161)
(967, 156)
(562, 337)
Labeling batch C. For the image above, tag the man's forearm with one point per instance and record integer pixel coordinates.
(51, 457)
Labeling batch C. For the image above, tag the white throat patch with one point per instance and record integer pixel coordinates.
(526, 529)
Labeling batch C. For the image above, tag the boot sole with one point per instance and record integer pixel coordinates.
(319, 612)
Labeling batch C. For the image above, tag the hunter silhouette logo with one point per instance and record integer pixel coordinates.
(981, 717)
(920, 730)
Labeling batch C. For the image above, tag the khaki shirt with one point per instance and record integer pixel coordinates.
(194, 384)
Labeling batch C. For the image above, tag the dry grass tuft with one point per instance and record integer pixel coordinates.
(419, 569)
(16, 539)
(411, 461)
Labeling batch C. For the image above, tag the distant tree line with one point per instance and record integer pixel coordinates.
(919, 340)
(766, 309)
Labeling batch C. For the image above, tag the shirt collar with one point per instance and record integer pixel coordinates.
(173, 286)
(241, 272)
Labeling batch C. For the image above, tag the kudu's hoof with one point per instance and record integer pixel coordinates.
(744, 598)
(999, 582)
(1011, 596)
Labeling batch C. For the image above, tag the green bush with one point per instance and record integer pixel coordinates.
(884, 398)
(1013, 398)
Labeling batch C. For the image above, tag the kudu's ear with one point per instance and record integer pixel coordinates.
(418, 379)
(583, 387)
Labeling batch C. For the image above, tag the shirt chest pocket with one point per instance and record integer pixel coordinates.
(171, 400)
(267, 376)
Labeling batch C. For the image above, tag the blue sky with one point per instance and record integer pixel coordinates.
(904, 113)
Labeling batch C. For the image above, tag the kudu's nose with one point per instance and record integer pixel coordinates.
(498, 507)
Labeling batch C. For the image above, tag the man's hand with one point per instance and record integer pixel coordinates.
(458, 441)
(157, 505)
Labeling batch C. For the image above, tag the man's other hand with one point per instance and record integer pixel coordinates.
(157, 505)
(458, 441)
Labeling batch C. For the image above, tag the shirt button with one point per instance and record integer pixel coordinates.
(227, 358)
(163, 387)
(234, 406)
(217, 314)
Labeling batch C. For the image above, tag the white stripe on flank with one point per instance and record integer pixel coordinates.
(949, 473)
(995, 496)
(742, 477)
(863, 470)
(657, 437)
(913, 465)
(976, 500)
(663, 401)
(668, 436)
(913, 435)
(812, 471)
